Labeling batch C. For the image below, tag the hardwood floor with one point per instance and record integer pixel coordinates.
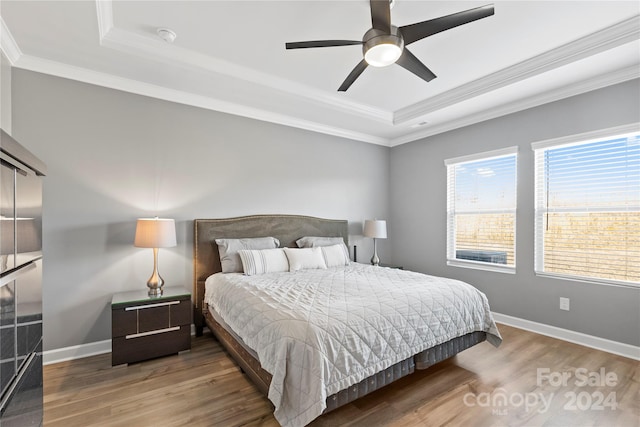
(530, 380)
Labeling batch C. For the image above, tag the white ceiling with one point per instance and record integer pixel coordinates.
(230, 56)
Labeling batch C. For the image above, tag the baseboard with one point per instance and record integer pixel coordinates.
(76, 352)
(615, 347)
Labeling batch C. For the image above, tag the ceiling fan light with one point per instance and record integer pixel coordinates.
(381, 49)
(383, 54)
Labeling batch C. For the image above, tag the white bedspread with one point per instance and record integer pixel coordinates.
(319, 331)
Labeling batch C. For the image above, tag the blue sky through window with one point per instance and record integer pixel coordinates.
(486, 185)
(600, 174)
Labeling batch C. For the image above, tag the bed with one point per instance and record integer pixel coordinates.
(339, 356)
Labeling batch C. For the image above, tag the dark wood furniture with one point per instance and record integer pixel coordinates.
(144, 327)
(287, 229)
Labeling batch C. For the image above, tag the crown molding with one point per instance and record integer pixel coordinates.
(141, 88)
(8, 44)
(111, 37)
(129, 42)
(600, 41)
(58, 69)
(608, 38)
(588, 85)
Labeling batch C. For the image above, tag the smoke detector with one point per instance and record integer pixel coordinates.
(166, 34)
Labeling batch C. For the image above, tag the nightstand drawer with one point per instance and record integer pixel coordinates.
(154, 318)
(149, 317)
(144, 327)
(149, 346)
(181, 313)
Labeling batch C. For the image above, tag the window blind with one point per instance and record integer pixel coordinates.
(481, 210)
(587, 209)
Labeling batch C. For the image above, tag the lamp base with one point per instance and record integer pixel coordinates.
(155, 291)
(155, 285)
(155, 282)
(374, 259)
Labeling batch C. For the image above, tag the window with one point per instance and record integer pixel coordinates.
(481, 210)
(587, 206)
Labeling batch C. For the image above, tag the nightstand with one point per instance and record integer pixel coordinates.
(144, 327)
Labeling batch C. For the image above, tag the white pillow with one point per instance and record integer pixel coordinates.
(263, 261)
(228, 249)
(305, 259)
(335, 255)
(315, 241)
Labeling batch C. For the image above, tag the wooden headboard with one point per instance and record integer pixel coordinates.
(286, 228)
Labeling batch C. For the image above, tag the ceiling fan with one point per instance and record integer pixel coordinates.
(385, 44)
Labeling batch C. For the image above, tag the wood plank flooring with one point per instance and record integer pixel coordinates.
(518, 384)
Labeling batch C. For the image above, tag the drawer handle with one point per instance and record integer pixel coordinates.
(160, 304)
(157, 331)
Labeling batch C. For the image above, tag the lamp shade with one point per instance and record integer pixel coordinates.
(155, 233)
(376, 228)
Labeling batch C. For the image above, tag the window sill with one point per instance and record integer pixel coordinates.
(496, 268)
(592, 280)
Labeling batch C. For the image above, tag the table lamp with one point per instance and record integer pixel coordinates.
(155, 233)
(377, 229)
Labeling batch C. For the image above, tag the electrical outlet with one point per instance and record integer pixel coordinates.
(564, 303)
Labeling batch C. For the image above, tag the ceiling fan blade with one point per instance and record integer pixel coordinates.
(321, 43)
(381, 15)
(420, 30)
(353, 75)
(408, 61)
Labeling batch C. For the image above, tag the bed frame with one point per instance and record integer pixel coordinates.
(287, 229)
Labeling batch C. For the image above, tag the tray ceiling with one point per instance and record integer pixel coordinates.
(229, 56)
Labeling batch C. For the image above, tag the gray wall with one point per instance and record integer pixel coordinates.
(114, 157)
(418, 213)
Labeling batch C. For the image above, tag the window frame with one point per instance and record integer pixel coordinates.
(539, 179)
(451, 212)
